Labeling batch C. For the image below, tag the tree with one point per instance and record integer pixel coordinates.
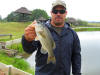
(71, 20)
(37, 13)
(0, 18)
(11, 17)
(81, 22)
(74, 21)
(16, 17)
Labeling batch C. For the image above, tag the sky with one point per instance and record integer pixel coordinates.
(88, 10)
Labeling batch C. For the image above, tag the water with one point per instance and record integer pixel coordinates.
(90, 45)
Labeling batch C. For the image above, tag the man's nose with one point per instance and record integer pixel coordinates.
(58, 13)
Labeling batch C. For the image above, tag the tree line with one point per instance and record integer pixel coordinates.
(36, 14)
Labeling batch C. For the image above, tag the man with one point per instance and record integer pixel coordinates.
(67, 51)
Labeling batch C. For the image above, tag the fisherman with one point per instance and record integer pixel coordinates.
(67, 50)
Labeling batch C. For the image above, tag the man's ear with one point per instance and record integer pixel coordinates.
(66, 11)
(51, 13)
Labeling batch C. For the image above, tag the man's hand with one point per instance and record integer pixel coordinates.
(30, 33)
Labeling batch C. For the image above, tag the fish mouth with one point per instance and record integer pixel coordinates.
(40, 31)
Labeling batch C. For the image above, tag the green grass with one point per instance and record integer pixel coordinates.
(16, 47)
(20, 50)
(87, 29)
(94, 24)
(88, 25)
(14, 28)
(16, 62)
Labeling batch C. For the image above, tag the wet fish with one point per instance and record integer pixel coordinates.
(46, 40)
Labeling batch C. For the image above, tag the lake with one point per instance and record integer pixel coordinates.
(90, 46)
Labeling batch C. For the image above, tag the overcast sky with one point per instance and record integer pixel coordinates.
(88, 10)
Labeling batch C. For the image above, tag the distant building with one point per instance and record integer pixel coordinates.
(23, 11)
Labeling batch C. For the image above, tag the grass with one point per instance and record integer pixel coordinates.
(88, 25)
(16, 62)
(87, 29)
(94, 24)
(20, 50)
(14, 28)
(16, 47)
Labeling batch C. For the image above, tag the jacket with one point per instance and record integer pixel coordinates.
(67, 53)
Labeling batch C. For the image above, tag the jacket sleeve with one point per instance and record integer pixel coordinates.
(30, 47)
(76, 56)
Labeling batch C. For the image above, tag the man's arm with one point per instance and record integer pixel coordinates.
(76, 56)
(30, 47)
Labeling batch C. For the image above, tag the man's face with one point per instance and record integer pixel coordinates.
(58, 15)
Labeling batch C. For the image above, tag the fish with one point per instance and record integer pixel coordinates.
(48, 45)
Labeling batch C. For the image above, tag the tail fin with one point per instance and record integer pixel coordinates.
(51, 60)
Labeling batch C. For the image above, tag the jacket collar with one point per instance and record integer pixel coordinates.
(64, 30)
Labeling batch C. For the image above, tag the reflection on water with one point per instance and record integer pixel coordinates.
(31, 59)
(90, 45)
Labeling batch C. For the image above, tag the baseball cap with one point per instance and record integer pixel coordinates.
(58, 2)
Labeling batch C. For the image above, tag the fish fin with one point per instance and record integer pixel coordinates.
(43, 51)
(54, 45)
(51, 60)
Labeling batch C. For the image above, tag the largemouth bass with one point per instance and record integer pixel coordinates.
(46, 40)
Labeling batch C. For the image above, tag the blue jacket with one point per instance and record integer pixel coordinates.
(67, 53)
